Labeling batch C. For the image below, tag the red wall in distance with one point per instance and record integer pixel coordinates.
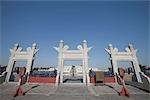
(109, 79)
(32, 79)
(106, 79)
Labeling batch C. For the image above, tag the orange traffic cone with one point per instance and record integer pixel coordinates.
(124, 92)
(18, 92)
(19, 89)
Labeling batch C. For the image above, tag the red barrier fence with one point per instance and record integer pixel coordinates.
(92, 79)
(109, 79)
(32, 79)
(106, 79)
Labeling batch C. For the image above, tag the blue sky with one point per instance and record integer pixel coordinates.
(100, 23)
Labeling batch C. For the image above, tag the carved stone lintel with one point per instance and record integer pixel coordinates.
(115, 50)
(28, 49)
(19, 49)
(61, 41)
(56, 48)
(110, 45)
(89, 48)
(16, 45)
(66, 47)
(84, 41)
(34, 45)
(107, 50)
(80, 47)
(127, 49)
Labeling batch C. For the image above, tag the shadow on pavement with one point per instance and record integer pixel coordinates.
(112, 88)
(30, 89)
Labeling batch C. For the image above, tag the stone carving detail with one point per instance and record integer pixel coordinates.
(80, 47)
(66, 47)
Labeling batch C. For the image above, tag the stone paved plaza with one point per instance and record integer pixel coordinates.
(70, 92)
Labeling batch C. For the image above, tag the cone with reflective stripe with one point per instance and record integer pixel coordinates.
(19, 91)
(124, 91)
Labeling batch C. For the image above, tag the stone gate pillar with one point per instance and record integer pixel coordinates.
(113, 59)
(31, 51)
(11, 62)
(85, 58)
(135, 62)
(60, 61)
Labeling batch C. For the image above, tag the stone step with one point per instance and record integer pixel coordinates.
(73, 84)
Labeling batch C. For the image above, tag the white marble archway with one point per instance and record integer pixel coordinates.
(128, 55)
(80, 54)
(18, 55)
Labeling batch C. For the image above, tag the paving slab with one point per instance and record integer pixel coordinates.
(131, 89)
(64, 92)
(72, 90)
